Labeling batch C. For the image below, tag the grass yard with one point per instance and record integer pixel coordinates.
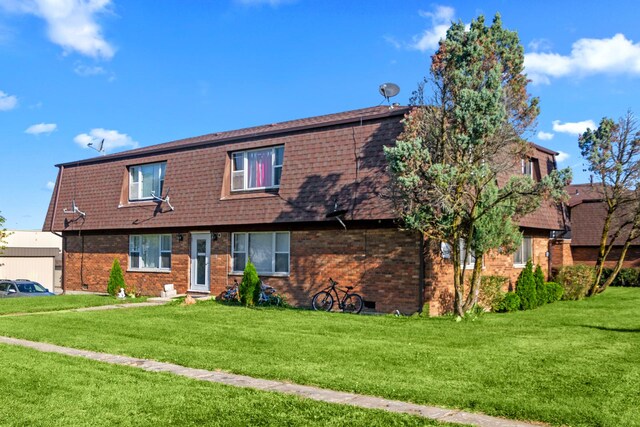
(57, 303)
(41, 389)
(569, 363)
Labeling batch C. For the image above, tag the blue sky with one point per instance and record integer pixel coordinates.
(139, 73)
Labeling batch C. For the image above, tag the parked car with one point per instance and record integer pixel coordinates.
(22, 288)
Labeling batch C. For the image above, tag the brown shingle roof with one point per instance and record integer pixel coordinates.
(337, 158)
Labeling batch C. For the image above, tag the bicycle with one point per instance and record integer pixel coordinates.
(232, 292)
(268, 295)
(350, 302)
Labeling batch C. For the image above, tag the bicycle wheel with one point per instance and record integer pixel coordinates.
(353, 304)
(322, 301)
(275, 300)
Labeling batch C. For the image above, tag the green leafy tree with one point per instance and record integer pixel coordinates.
(446, 165)
(116, 278)
(541, 289)
(3, 234)
(249, 289)
(612, 152)
(526, 288)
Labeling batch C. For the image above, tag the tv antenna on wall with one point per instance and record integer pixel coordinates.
(74, 209)
(99, 148)
(164, 199)
(389, 90)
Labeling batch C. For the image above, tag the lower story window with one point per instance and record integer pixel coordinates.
(269, 252)
(150, 252)
(524, 252)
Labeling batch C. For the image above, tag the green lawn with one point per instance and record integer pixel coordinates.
(41, 389)
(571, 363)
(59, 302)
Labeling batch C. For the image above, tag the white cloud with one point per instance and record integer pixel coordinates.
(40, 128)
(70, 23)
(440, 22)
(545, 136)
(616, 55)
(562, 156)
(573, 128)
(7, 102)
(113, 139)
(87, 70)
(50, 185)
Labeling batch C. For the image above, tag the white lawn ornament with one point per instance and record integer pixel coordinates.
(121, 294)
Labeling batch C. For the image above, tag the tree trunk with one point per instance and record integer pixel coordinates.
(474, 286)
(593, 289)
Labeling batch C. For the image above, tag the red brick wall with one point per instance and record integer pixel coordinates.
(382, 265)
(589, 254)
(560, 254)
(439, 272)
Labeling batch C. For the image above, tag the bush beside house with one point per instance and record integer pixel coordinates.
(116, 279)
(575, 281)
(249, 289)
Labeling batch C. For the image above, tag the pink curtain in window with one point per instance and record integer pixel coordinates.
(260, 171)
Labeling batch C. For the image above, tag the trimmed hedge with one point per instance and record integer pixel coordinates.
(541, 290)
(509, 303)
(575, 280)
(629, 277)
(553, 291)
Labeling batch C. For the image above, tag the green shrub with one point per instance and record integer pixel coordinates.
(116, 279)
(627, 277)
(553, 291)
(541, 291)
(575, 281)
(249, 289)
(510, 302)
(526, 288)
(491, 291)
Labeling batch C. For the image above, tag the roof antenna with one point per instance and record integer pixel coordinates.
(74, 210)
(164, 199)
(337, 214)
(389, 90)
(99, 149)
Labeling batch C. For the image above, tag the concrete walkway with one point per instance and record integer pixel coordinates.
(147, 303)
(314, 393)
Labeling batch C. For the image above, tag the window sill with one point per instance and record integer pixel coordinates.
(240, 273)
(138, 203)
(519, 265)
(149, 270)
(251, 194)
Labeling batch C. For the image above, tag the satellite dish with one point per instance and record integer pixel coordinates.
(389, 90)
(99, 148)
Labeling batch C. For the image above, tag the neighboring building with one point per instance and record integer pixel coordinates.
(269, 193)
(587, 211)
(33, 255)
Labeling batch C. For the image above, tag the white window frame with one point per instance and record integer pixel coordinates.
(526, 240)
(137, 249)
(527, 167)
(158, 168)
(245, 235)
(245, 168)
(464, 255)
(446, 252)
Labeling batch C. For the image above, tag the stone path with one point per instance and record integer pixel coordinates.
(314, 393)
(94, 308)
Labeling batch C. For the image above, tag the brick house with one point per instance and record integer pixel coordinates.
(267, 193)
(587, 211)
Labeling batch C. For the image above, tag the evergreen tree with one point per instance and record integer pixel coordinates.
(249, 289)
(116, 278)
(446, 164)
(526, 288)
(541, 289)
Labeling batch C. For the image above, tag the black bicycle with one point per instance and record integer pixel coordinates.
(350, 303)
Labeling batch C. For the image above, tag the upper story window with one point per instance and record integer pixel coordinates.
(256, 169)
(145, 181)
(527, 167)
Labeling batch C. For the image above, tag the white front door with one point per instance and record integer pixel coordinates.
(200, 257)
